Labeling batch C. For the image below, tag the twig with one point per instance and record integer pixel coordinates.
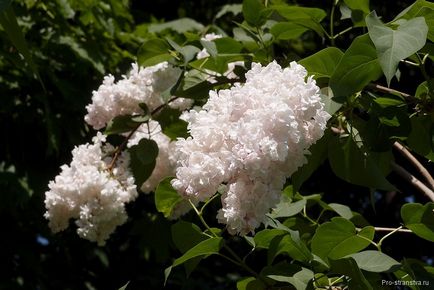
(380, 242)
(124, 143)
(401, 230)
(404, 173)
(389, 90)
(413, 180)
(121, 147)
(407, 154)
(332, 15)
(337, 130)
(410, 62)
(343, 32)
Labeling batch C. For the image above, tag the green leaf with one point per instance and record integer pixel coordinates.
(330, 106)
(303, 16)
(359, 10)
(342, 210)
(421, 138)
(323, 63)
(423, 90)
(362, 5)
(348, 267)
(288, 208)
(385, 102)
(419, 219)
(146, 151)
(65, 9)
(121, 124)
(339, 238)
(351, 164)
(180, 25)
(125, 286)
(228, 45)
(153, 51)
(291, 245)
(297, 12)
(321, 281)
(421, 8)
(287, 30)
(185, 236)
(415, 270)
(170, 123)
(251, 283)
(293, 274)
(143, 159)
(210, 47)
(8, 21)
(144, 108)
(345, 11)
(357, 68)
(318, 154)
(252, 12)
(235, 9)
(263, 238)
(210, 246)
(166, 197)
(219, 63)
(375, 261)
(394, 45)
(198, 91)
(189, 53)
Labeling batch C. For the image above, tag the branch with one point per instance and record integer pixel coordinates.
(121, 147)
(389, 90)
(337, 130)
(382, 229)
(422, 170)
(404, 173)
(413, 180)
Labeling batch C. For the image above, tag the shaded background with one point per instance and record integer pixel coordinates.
(75, 43)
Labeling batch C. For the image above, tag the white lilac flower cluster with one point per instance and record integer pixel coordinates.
(90, 192)
(141, 85)
(249, 139)
(244, 143)
(87, 190)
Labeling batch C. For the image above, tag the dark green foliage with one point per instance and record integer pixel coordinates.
(55, 53)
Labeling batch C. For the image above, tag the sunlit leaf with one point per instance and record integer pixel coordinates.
(287, 30)
(394, 45)
(357, 68)
(303, 16)
(180, 25)
(338, 238)
(235, 9)
(166, 197)
(419, 219)
(290, 245)
(420, 8)
(323, 63)
(359, 10)
(374, 261)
